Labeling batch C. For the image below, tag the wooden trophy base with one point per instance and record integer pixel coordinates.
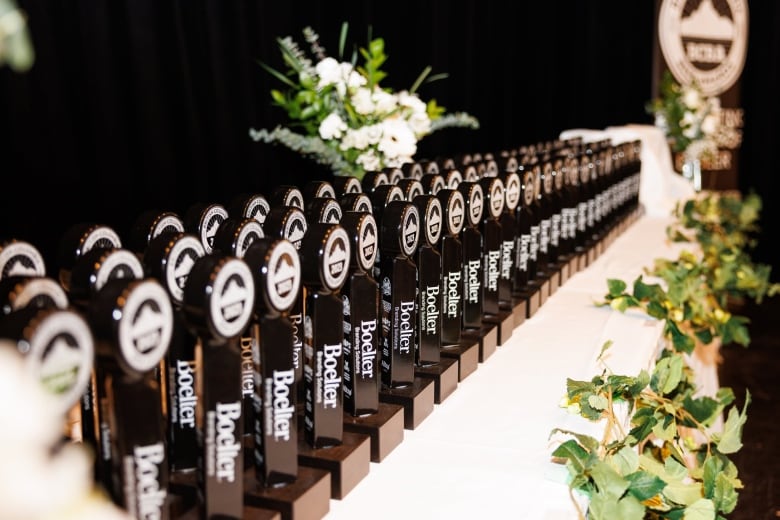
(385, 429)
(347, 462)
(542, 282)
(532, 297)
(487, 335)
(519, 307)
(416, 399)
(467, 354)
(563, 268)
(306, 498)
(505, 324)
(574, 264)
(583, 258)
(554, 272)
(444, 375)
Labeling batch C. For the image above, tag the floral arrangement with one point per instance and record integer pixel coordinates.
(341, 117)
(690, 120)
(15, 46)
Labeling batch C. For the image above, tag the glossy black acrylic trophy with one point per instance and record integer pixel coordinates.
(399, 234)
(454, 343)
(427, 346)
(253, 205)
(363, 412)
(492, 257)
(522, 288)
(509, 232)
(203, 220)
(325, 253)
(274, 480)
(20, 258)
(472, 321)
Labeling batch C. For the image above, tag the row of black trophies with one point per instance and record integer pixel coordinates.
(250, 360)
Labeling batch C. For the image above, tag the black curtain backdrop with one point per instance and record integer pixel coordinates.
(147, 104)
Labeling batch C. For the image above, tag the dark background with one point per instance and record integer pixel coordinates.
(140, 104)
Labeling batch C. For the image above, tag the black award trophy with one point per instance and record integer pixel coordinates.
(218, 301)
(394, 174)
(372, 180)
(452, 178)
(549, 234)
(132, 321)
(473, 290)
(427, 345)
(492, 258)
(150, 224)
(413, 170)
(77, 240)
(571, 243)
(20, 258)
(559, 234)
(253, 205)
(325, 254)
(432, 183)
(411, 188)
(325, 210)
(537, 262)
(464, 349)
(345, 184)
(527, 233)
(398, 238)
(363, 412)
(275, 481)
(169, 259)
(317, 190)
(356, 202)
(203, 220)
(289, 222)
(287, 195)
(508, 221)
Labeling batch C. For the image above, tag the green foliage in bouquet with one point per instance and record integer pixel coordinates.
(339, 114)
(665, 464)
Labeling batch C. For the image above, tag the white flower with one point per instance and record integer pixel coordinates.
(369, 161)
(420, 124)
(397, 139)
(691, 97)
(710, 124)
(355, 138)
(405, 99)
(329, 72)
(660, 121)
(332, 127)
(373, 133)
(385, 102)
(363, 101)
(353, 78)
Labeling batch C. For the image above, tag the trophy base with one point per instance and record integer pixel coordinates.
(385, 428)
(307, 497)
(487, 335)
(347, 462)
(554, 271)
(444, 375)
(505, 324)
(532, 297)
(583, 258)
(542, 283)
(416, 399)
(467, 354)
(519, 307)
(563, 267)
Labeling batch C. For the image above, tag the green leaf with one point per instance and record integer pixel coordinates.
(616, 287)
(667, 374)
(625, 461)
(644, 485)
(607, 507)
(702, 509)
(730, 440)
(666, 429)
(586, 441)
(574, 453)
(703, 409)
(599, 402)
(608, 481)
(725, 495)
(420, 79)
(683, 493)
(607, 344)
(343, 38)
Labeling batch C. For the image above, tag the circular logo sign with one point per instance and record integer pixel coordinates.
(293, 198)
(325, 191)
(62, 355)
(394, 175)
(438, 184)
(380, 178)
(511, 164)
(295, 227)
(394, 193)
(433, 221)
(362, 203)
(210, 220)
(40, 292)
(584, 169)
(146, 325)
(431, 167)
(455, 209)
(249, 231)
(705, 43)
(118, 263)
(558, 174)
(454, 178)
(413, 189)
(168, 223)
(20, 258)
(181, 258)
(101, 236)
(284, 275)
(496, 197)
(258, 209)
(410, 230)
(331, 212)
(512, 192)
(335, 260)
(491, 168)
(367, 242)
(547, 178)
(476, 201)
(528, 188)
(232, 298)
(470, 173)
(352, 185)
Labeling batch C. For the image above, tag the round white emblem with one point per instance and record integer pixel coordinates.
(410, 230)
(335, 261)
(20, 258)
(146, 325)
(232, 298)
(182, 257)
(213, 217)
(512, 193)
(367, 243)
(284, 275)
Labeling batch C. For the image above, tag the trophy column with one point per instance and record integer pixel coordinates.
(363, 411)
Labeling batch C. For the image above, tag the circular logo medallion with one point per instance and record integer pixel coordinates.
(496, 197)
(258, 209)
(352, 185)
(331, 213)
(284, 275)
(293, 198)
(249, 231)
(20, 258)
(101, 236)
(454, 178)
(232, 298)
(547, 178)
(146, 325)
(335, 261)
(528, 189)
(433, 221)
(40, 292)
(181, 258)
(211, 219)
(295, 227)
(410, 230)
(367, 243)
(476, 202)
(118, 263)
(168, 223)
(512, 193)
(455, 209)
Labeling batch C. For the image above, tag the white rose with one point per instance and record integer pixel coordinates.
(397, 139)
(385, 102)
(373, 133)
(354, 78)
(329, 72)
(710, 124)
(369, 161)
(420, 124)
(363, 101)
(332, 127)
(405, 99)
(691, 97)
(355, 138)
